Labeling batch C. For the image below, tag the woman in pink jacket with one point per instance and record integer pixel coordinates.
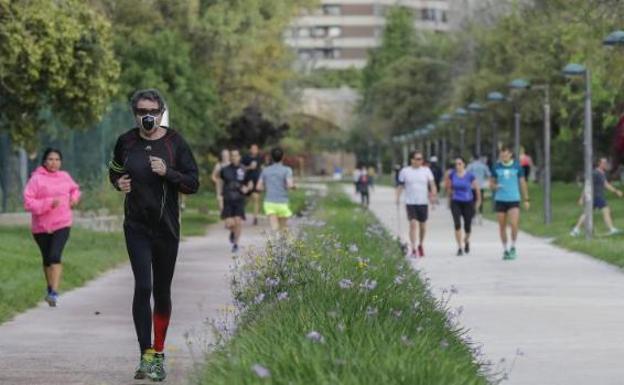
(50, 195)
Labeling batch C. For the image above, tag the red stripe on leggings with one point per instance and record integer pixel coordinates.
(161, 323)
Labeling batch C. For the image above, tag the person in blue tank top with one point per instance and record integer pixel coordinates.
(508, 183)
(460, 184)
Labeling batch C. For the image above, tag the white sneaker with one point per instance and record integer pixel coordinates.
(575, 232)
(614, 231)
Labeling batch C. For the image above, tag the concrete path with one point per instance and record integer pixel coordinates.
(90, 339)
(564, 311)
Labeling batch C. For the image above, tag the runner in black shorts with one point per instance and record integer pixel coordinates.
(152, 165)
(236, 184)
(508, 184)
(418, 182)
(253, 167)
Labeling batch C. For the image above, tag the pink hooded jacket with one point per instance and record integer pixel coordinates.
(41, 190)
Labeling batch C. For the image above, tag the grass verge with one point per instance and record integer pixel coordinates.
(565, 214)
(338, 305)
(22, 284)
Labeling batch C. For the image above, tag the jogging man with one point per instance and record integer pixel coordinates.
(253, 165)
(507, 182)
(276, 180)
(419, 184)
(480, 170)
(152, 165)
(600, 202)
(235, 185)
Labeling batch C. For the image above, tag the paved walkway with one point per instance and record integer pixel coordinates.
(563, 310)
(90, 340)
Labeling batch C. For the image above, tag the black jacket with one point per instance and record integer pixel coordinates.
(152, 204)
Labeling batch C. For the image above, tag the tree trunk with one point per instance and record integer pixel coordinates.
(4, 169)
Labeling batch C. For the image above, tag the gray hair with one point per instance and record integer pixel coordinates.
(147, 94)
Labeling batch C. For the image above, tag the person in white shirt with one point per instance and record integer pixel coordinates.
(419, 184)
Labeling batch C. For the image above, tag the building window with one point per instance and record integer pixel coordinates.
(319, 32)
(304, 54)
(380, 10)
(332, 9)
(303, 32)
(444, 17)
(429, 14)
(334, 31)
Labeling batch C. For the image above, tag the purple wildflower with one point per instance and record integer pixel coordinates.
(345, 283)
(282, 296)
(261, 371)
(315, 337)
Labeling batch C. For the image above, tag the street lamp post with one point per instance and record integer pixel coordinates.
(445, 119)
(517, 84)
(547, 173)
(461, 113)
(477, 108)
(574, 70)
(495, 97)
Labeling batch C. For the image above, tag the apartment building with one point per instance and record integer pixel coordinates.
(339, 33)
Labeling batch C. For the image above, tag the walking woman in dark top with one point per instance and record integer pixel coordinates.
(152, 164)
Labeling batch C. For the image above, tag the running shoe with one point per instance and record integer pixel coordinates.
(506, 256)
(512, 253)
(52, 299)
(460, 252)
(235, 248)
(467, 248)
(157, 372)
(414, 254)
(145, 365)
(231, 237)
(615, 231)
(421, 251)
(575, 232)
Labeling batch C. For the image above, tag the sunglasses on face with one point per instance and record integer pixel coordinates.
(145, 111)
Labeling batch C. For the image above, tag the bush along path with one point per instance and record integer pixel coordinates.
(338, 304)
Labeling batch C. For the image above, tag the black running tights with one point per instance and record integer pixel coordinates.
(151, 255)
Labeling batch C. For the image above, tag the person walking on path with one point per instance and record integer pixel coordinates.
(599, 177)
(151, 165)
(49, 196)
(276, 180)
(253, 166)
(438, 174)
(363, 186)
(526, 162)
(508, 183)
(465, 195)
(224, 161)
(419, 185)
(235, 186)
(480, 170)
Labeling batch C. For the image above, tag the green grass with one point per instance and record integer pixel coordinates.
(22, 284)
(565, 214)
(394, 333)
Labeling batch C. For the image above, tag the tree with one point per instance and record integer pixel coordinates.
(54, 55)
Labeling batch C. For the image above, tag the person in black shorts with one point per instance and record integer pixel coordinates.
(253, 167)
(152, 165)
(235, 183)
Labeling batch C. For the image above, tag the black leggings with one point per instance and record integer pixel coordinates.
(464, 210)
(52, 245)
(151, 254)
(364, 197)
